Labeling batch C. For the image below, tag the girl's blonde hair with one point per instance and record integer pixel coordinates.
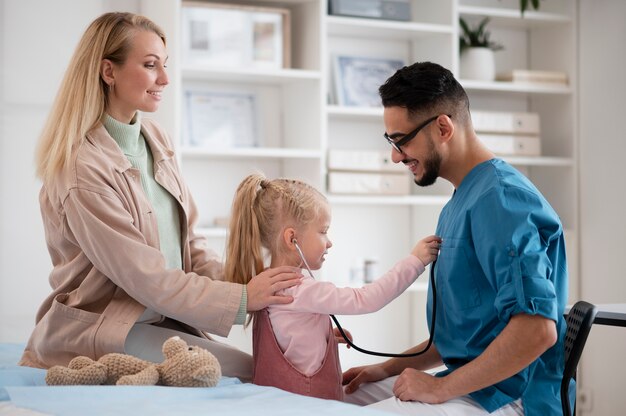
(82, 97)
(261, 210)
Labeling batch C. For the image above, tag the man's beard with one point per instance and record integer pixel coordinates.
(432, 165)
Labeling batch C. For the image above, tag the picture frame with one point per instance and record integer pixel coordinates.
(233, 35)
(220, 119)
(357, 79)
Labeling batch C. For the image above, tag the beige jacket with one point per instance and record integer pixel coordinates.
(107, 268)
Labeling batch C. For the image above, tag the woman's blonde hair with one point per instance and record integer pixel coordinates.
(82, 97)
(261, 209)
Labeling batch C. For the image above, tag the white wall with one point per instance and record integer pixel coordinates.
(35, 50)
(603, 224)
(37, 38)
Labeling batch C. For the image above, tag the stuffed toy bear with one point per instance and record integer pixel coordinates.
(184, 366)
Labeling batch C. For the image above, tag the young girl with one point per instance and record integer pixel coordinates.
(293, 345)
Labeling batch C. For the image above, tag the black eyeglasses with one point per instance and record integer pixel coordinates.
(410, 136)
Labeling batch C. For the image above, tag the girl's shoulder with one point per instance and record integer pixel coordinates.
(307, 283)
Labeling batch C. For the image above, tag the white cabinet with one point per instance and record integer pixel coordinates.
(288, 102)
(543, 40)
(302, 122)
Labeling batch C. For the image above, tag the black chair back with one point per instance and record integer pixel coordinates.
(579, 321)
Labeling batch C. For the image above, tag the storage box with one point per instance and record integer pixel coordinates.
(531, 75)
(363, 160)
(376, 9)
(512, 144)
(369, 183)
(505, 122)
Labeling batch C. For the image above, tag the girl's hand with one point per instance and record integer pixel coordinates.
(263, 287)
(427, 249)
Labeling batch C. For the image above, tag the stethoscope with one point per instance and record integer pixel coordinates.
(383, 354)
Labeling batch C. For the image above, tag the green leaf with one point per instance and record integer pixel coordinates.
(535, 4)
(481, 26)
(476, 36)
(523, 5)
(464, 26)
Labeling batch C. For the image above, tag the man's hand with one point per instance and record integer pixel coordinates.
(356, 376)
(415, 385)
(521, 341)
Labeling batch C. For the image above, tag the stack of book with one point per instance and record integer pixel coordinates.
(534, 76)
(508, 133)
(366, 172)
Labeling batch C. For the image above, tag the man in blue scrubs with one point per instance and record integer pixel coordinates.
(501, 275)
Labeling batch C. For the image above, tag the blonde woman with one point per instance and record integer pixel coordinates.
(294, 346)
(129, 270)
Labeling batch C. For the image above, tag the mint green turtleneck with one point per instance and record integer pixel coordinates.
(165, 207)
(134, 147)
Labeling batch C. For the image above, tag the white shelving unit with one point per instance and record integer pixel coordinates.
(511, 17)
(301, 123)
(541, 40)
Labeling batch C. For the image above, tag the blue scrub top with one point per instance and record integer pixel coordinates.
(502, 254)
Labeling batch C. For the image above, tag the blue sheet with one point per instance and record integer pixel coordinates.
(26, 388)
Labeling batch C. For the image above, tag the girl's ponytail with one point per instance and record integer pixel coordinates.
(244, 254)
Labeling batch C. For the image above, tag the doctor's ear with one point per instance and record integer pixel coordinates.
(445, 128)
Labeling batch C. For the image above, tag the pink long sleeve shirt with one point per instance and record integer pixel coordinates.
(301, 327)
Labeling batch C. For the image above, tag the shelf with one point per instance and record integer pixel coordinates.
(246, 75)
(516, 87)
(267, 153)
(539, 161)
(513, 18)
(388, 200)
(216, 232)
(355, 113)
(383, 29)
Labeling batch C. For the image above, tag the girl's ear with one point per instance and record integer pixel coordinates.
(289, 235)
(106, 72)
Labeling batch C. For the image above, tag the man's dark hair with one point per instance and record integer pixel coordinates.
(425, 88)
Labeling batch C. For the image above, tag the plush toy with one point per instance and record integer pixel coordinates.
(184, 366)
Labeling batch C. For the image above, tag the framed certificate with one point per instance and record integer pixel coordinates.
(357, 79)
(219, 119)
(228, 35)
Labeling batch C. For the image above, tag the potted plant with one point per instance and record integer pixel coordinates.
(477, 59)
(523, 5)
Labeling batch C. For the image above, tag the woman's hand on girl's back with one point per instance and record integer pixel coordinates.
(263, 287)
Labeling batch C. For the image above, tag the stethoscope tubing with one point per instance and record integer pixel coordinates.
(385, 354)
(394, 355)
